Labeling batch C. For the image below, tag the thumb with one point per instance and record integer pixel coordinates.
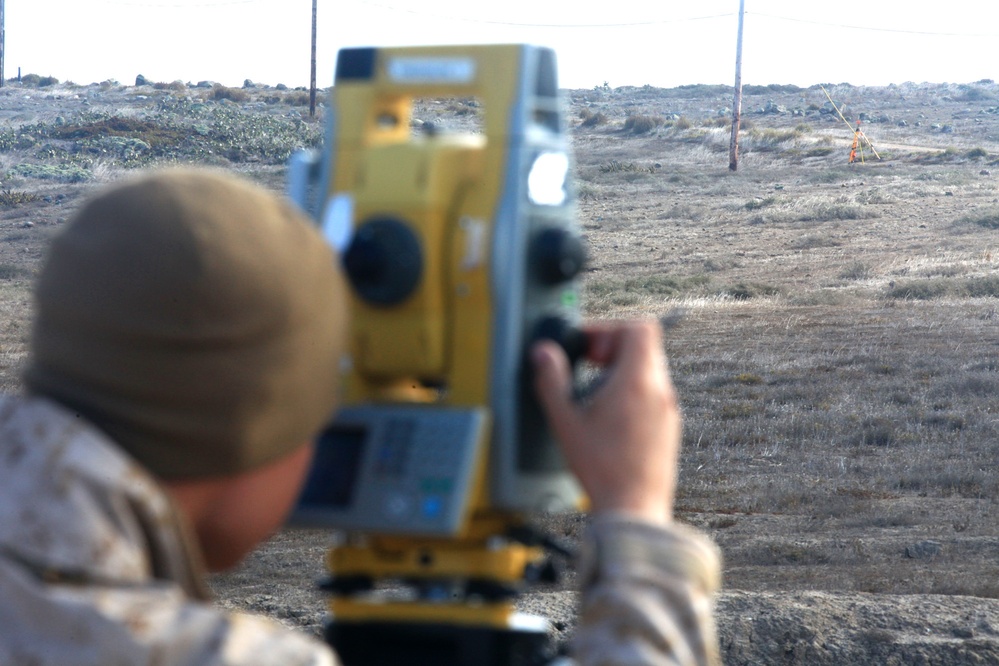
(552, 379)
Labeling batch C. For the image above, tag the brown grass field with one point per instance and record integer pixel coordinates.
(837, 355)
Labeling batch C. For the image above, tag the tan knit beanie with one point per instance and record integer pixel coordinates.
(197, 319)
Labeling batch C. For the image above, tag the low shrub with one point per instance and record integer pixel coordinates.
(641, 124)
(590, 119)
(175, 86)
(743, 291)
(36, 81)
(10, 197)
(220, 92)
(615, 166)
(988, 219)
(67, 173)
(12, 272)
(683, 123)
(297, 98)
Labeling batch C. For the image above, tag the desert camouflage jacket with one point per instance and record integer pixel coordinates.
(647, 595)
(96, 568)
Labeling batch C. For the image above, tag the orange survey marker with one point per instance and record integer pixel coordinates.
(859, 138)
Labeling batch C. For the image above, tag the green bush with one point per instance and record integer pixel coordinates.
(178, 129)
(67, 173)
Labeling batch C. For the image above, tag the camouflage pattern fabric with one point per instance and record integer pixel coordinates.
(646, 595)
(97, 568)
(95, 564)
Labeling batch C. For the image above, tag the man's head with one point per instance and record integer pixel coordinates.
(196, 319)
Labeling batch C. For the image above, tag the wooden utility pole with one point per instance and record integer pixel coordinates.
(312, 80)
(733, 146)
(1, 43)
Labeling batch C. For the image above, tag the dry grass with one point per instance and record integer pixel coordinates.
(836, 362)
(15, 326)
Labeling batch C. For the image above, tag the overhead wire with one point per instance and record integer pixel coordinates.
(829, 24)
(659, 21)
(177, 5)
(527, 24)
(564, 25)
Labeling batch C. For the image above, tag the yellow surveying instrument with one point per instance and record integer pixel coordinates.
(461, 250)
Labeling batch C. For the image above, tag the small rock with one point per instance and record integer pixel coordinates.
(984, 172)
(923, 550)
(27, 225)
(140, 80)
(774, 108)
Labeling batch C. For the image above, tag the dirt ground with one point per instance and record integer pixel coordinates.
(836, 353)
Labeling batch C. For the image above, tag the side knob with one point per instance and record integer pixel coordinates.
(384, 262)
(558, 255)
(569, 337)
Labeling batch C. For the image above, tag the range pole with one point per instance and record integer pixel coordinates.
(312, 80)
(733, 146)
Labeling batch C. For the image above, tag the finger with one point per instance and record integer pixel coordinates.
(601, 343)
(641, 342)
(552, 378)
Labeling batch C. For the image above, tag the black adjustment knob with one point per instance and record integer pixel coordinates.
(384, 262)
(570, 338)
(558, 255)
(347, 585)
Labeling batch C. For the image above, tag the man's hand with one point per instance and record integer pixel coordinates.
(623, 443)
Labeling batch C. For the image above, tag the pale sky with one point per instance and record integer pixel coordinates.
(621, 42)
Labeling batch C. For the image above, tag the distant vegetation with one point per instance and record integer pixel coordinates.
(184, 129)
(36, 81)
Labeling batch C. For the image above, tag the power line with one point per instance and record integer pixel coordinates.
(519, 24)
(875, 29)
(175, 5)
